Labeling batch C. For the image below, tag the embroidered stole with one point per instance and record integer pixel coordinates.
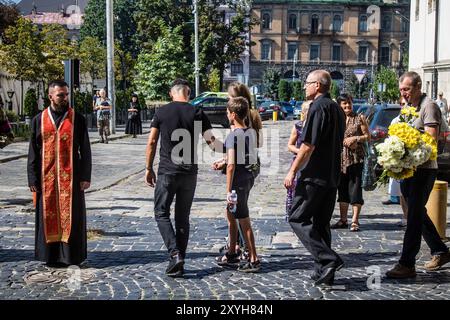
(57, 175)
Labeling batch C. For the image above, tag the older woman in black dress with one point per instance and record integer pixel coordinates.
(134, 124)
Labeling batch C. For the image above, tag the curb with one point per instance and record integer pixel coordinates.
(4, 160)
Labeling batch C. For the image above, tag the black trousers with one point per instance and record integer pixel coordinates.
(416, 190)
(310, 217)
(167, 187)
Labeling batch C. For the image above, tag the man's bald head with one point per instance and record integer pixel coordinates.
(323, 77)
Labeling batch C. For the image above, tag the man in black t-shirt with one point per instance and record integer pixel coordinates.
(179, 125)
(320, 160)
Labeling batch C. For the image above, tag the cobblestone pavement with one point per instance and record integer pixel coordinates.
(127, 258)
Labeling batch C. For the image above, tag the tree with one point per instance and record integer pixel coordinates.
(297, 91)
(357, 90)
(22, 56)
(159, 67)
(271, 77)
(214, 80)
(9, 13)
(125, 26)
(284, 91)
(334, 90)
(387, 80)
(92, 55)
(31, 103)
(55, 48)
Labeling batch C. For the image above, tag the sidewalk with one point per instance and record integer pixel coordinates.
(19, 150)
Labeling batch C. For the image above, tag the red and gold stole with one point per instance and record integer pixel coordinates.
(57, 175)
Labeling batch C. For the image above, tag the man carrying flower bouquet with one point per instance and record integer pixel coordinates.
(417, 189)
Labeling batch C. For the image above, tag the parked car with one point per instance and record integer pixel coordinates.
(205, 94)
(297, 110)
(215, 108)
(286, 110)
(267, 108)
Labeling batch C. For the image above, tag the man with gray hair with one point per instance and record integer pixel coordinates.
(177, 172)
(319, 160)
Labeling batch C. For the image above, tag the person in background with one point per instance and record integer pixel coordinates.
(134, 124)
(293, 146)
(103, 108)
(443, 106)
(350, 186)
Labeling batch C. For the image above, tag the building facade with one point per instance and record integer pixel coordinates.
(430, 47)
(341, 36)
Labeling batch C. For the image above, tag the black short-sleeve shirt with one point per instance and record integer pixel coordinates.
(324, 129)
(243, 142)
(180, 125)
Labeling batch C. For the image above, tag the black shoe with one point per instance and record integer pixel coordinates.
(326, 278)
(176, 266)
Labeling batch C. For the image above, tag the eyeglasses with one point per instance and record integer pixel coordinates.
(307, 83)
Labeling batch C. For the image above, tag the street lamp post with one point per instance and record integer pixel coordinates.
(197, 69)
(10, 94)
(110, 60)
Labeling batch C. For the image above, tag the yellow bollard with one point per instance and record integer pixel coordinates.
(275, 116)
(437, 207)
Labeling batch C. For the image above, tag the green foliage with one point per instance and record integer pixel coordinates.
(284, 90)
(297, 91)
(92, 55)
(123, 98)
(55, 47)
(334, 90)
(21, 54)
(271, 78)
(21, 129)
(388, 77)
(9, 13)
(214, 80)
(125, 26)
(354, 88)
(12, 116)
(83, 102)
(31, 103)
(159, 67)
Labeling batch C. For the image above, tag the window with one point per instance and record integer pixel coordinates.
(337, 23)
(385, 55)
(337, 57)
(292, 51)
(363, 23)
(237, 67)
(266, 50)
(266, 20)
(292, 21)
(363, 53)
(315, 24)
(404, 26)
(314, 52)
(386, 24)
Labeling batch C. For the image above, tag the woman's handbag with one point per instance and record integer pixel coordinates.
(369, 177)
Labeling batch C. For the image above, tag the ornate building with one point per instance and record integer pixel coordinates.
(340, 36)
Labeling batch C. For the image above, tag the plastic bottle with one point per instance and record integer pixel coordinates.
(233, 199)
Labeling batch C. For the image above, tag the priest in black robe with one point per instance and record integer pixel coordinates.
(59, 134)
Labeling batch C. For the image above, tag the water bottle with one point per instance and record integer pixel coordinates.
(233, 199)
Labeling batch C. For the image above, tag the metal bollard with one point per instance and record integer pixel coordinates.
(275, 116)
(437, 207)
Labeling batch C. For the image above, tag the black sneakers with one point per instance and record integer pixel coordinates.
(176, 266)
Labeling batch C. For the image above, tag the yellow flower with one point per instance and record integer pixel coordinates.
(430, 141)
(409, 136)
(410, 111)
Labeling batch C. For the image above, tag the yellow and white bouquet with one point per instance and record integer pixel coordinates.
(406, 148)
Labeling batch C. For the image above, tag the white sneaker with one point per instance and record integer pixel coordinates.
(403, 222)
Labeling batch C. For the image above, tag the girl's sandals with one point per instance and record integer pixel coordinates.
(340, 225)
(228, 259)
(354, 227)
